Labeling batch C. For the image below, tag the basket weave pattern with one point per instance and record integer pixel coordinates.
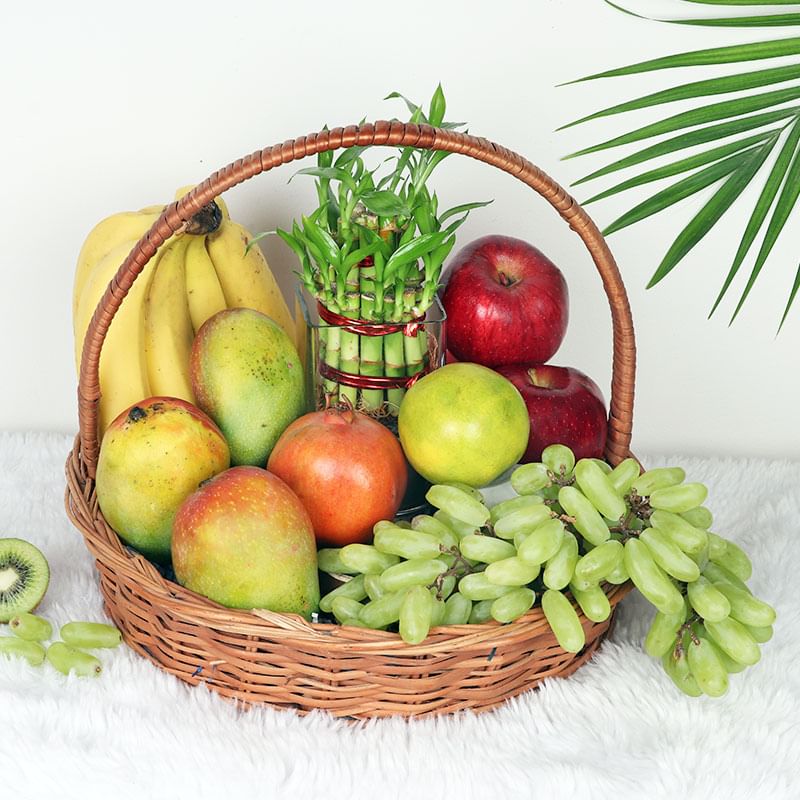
(280, 659)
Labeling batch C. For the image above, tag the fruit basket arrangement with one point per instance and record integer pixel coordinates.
(432, 616)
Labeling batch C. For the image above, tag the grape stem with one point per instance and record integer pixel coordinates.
(460, 568)
(685, 628)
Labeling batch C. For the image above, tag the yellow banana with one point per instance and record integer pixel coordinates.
(245, 276)
(123, 371)
(107, 234)
(168, 325)
(203, 289)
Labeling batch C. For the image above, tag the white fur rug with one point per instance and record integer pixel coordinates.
(617, 729)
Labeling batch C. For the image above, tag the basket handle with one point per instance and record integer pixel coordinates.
(393, 134)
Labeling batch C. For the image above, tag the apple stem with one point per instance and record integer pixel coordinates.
(505, 280)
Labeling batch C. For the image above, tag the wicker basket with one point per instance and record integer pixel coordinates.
(263, 657)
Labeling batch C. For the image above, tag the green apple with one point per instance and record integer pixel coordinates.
(465, 423)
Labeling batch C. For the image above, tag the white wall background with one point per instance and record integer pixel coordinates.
(111, 106)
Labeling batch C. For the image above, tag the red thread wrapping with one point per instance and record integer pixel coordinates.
(364, 328)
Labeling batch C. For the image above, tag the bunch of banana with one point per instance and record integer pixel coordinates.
(191, 277)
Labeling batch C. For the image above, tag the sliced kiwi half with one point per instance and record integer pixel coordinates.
(24, 575)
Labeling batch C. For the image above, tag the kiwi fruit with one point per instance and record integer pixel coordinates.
(24, 576)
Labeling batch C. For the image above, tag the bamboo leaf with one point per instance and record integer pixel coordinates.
(698, 116)
(412, 250)
(462, 208)
(324, 242)
(684, 165)
(712, 86)
(332, 173)
(679, 191)
(783, 209)
(349, 156)
(385, 204)
(730, 54)
(709, 214)
(763, 204)
(357, 256)
(415, 110)
(792, 295)
(437, 108)
(711, 133)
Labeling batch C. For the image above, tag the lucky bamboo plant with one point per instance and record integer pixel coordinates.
(373, 251)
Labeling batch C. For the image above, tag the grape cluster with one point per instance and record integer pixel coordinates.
(571, 528)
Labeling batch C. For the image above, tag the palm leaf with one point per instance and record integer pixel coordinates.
(783, 209)
(679, 191)
(792, 293)
(684, 165)
(745, 2)
(758, 21)
(698, 116)
(722, 85)
(712, 133)
(761, 209)
(730, 54)
(710, 213)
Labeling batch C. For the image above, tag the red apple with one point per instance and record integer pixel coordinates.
(347, 469)
(506, 303)
(565, 407)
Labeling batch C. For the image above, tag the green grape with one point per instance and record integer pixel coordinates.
(680, 674)
(435, 527)
(716, 545)
(650, 579)
(588, 521)
(512, 572)
(700, 559)
(560, 568)
(30, 627)
(623, 475)
(458, 504)
(564, 621)
(523, 519)
(604, 465)
(598, 489)
(559, 459)
(354, 589)
(663, 632)
(669, 556)
(513, 605)
(686, 536)
(678, 499)
(529, 479)
(745, 608)
(366, 558)
(68, 659)
(619, 574)
(477, 586)
(506, 507)
(373, 587)
(718, 574)
(465, 487)
(760, 634)
(706, 668)
(415, 615)
(415, 572)
(448, 583)
(734, 638)
(457, 526)
(457, 609)
(520, 537)
(383, 611)
(90, 635)
(437, 611)
(346, 609)
(31, 651)
(406, 544)
(735, 560)
(598, 562)
(700, 517)
(481, 612)
(593, 601)
(581, 584)
(543, 543)
(485, 548)
(659, 478)
(731, 666)
(329, 560)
